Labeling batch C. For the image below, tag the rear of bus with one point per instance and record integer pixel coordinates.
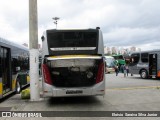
(73, 63)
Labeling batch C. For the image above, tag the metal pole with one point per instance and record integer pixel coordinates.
(55, 22)
(34, 53)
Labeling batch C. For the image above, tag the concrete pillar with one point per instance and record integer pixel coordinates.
(34, 53)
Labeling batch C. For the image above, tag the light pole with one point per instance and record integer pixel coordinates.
(56, 20)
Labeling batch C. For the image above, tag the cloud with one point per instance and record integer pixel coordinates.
(132, 36)
(123, 22)
(14, 20)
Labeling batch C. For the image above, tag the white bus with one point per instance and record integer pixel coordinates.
(110, 64)
(146, 63)
(14, 67)
(73, 63)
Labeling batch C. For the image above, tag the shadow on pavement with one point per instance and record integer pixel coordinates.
(7, 97)
(74, 100)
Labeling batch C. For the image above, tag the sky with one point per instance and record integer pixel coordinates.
(124, 23)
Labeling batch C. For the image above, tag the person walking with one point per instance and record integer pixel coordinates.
(124, 70)
(127, 69)
(116, 70)
(106, 71)
(121, 68)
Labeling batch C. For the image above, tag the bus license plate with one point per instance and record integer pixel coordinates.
(74, 92)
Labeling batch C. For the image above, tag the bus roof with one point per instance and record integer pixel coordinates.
(156, 50)
(9, 43)
(15, 48)
(97, 28)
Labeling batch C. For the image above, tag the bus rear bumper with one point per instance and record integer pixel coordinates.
(51, 91)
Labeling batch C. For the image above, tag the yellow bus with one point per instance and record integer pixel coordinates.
(14, 67)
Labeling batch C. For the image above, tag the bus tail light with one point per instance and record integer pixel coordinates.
(100, 74)
(46, 73)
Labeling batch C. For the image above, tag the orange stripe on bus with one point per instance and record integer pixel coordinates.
(158, 73)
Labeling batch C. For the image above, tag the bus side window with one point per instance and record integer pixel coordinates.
(144, 57)
(135, 58)
(132, 60)
(14, 63)
(0, 70)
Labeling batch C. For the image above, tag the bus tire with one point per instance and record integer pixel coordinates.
(144, 74)
(18, 87)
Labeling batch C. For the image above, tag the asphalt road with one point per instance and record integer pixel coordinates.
(122, 94)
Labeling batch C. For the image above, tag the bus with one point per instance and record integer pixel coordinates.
(145, 63)
(14, 67)
(120, 59)
(110, 64)
(73, 63)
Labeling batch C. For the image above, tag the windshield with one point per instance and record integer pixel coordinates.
(110, 62)
(118, 57)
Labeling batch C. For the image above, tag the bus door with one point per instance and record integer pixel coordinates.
(158, 65)
(5, 69)
(152, 64)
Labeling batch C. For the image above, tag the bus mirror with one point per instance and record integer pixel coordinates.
(42, 38)
(18, 68)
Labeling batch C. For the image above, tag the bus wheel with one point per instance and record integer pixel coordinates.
(144, 74)
(18, 87)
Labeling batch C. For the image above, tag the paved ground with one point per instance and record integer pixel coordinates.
(122, 94)
(113, 81)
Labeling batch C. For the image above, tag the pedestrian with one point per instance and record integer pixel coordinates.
(124, 70)
(127, 69)
(121, 68)
(106, 67)
(116, 70)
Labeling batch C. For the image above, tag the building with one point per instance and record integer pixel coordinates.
(133, 49)
(114, 51)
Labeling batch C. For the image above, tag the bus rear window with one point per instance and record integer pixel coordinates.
(72, 39)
